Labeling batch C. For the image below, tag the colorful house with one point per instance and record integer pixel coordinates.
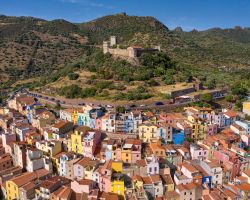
(13, 185)
(198, 127)
(148, 132)
(77, 139)
(177, 135)
(91, 140)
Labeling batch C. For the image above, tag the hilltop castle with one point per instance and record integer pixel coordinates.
(130, 52)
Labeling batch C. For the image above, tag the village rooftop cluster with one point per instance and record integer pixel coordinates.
(90, 153)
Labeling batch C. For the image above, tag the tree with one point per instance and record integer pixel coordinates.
(239, 90)
(229, 98)
(206, 98)
(120, 109)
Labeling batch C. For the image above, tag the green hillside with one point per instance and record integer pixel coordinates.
(31, 47)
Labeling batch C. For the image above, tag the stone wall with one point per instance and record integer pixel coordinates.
(119, 52)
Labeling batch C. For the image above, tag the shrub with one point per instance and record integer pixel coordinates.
(207, 98)
(73, 76)
(72, 91)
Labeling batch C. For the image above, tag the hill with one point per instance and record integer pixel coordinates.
(31, 47)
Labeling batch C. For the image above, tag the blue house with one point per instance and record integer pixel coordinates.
(30, 110)
(177, 135)
(207, 180)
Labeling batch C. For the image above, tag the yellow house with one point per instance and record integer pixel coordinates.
(148, 132)
(74, 116)
(117, 185)
(126, 155)
(117, 166)
(13, 185)
(117, 179)
(49, 148)
(56, 161)
(198, 127)
(168, 183)
(246, 108)
(77, 139)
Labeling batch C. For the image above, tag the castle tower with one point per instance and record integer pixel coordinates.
(113, 40)
(105, 47)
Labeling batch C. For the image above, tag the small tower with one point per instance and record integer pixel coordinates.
(113, 40)
(105, 47)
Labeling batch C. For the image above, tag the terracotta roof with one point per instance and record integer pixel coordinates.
(167, 179)
(28, 186)
(247, 172)
(155, 178)
(141, 163)
(87, 162)
(24, 178)
(213, 163)
(85, 182)
(147, 180)
(189, 167)
(189, 186)
(60, 124)
(41, 173)
(63, 193)
(244, 187)
(230, 113)
(108, 196)
(133, 141)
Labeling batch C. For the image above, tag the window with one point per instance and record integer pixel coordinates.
(150, 169)
(190, 193)
(185, 193)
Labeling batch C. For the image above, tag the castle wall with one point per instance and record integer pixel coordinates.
(119, 52)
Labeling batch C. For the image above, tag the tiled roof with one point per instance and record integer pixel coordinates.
(24, 178)
(141, 163)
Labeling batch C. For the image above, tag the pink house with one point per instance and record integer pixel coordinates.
(82, 186)
(7, 139)
(90, 141)
(135, 147)
(231, 159)
(198, 152)
(211, 129)
(105, 173)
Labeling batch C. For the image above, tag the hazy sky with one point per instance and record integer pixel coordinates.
(189, 14)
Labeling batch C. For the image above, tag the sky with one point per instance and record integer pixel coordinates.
(189, 14)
